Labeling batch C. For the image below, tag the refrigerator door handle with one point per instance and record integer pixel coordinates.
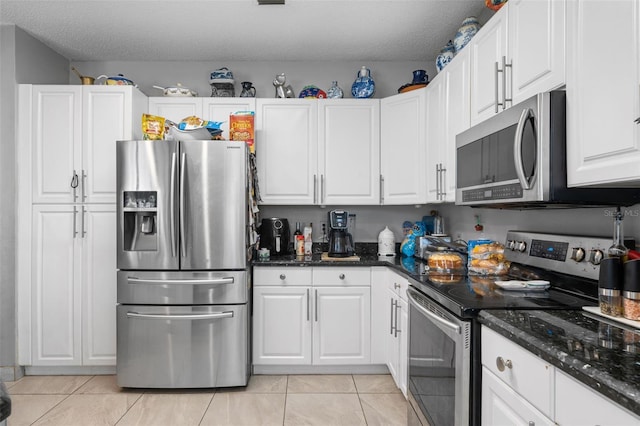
(216, 315)
(183, 166)
(226, 280)
(172, 203)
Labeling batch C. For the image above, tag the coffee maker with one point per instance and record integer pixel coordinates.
(340, 241)
(275, 235)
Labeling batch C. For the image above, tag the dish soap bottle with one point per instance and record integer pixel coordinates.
(618, 249)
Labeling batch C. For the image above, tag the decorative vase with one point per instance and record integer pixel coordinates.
(364, 86)
(494, 4)
(335, 92)
(248, 91)
(469, 28)
(446, 55)
(420, 77)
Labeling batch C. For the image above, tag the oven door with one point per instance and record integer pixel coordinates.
(439, 384)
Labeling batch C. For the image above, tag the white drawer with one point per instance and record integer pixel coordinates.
(398, 285)
(342, 277)
(528, 375)
(292, 275)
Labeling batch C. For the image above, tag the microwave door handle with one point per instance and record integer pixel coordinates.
(517, 148)
(172, 205)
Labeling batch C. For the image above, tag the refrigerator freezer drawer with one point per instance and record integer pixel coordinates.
(183, 288)
(182, 346)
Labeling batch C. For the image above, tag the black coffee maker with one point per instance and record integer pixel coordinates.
(340, 241)
(275, 235)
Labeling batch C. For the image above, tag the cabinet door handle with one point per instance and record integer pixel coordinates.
(283, 277)
(82, 231)
(316, 305)
(315, 189)
(341, 276)
(391, 316)
(75, 215)
(396, 316)
(74, 185)
(396, 286)
(505, 65)
(381, 189)
(497, 71)
(637, 120)
(84, 183)
(501, 363)
(443, 181)
(322, 195)
(308, 305)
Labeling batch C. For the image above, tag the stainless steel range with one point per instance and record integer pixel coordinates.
(444, 341)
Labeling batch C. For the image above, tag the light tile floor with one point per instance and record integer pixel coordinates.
(266, 400)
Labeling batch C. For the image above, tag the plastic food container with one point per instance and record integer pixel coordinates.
(486, 257)
(449, 262)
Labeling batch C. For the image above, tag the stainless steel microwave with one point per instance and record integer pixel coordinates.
(517, 159)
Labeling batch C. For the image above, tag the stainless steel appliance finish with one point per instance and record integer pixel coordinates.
(183, 285)
(517, 158)
(570, 263)
(439, 374)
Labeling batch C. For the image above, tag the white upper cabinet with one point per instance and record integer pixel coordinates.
(318, 152)
(286, 134)
(73, 131)
(603, 133)
(519, 52)
(211, 109)
(403, 148)
(349, 151)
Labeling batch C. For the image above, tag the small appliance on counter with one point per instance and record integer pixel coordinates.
(386, 243)
(340, 240)
(275, 235)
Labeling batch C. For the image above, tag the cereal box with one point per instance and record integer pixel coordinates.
(241, 128)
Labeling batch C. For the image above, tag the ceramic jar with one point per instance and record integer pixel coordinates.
(467, 30)
(364, 86)
(446, 55)
(420, 77)
(335, 92)
(248, 91)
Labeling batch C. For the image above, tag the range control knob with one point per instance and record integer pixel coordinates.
(595, 257)
(511, 244)
(577, 254)
(520, 246)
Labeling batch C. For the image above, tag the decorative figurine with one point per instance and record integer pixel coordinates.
(282, 91)
(446, 55)
(248, 91)
(364, 86)
(408, 246)
(335, 92)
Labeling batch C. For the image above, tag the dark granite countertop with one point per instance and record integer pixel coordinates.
(5, 402)
(603, 356)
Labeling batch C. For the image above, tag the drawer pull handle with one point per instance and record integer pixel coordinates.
(283, 277)
(396, 286)
(501, 363)
(341, 276)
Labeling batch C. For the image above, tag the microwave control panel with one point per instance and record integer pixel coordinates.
(500, 192)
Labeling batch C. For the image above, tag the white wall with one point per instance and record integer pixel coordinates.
(23, 59)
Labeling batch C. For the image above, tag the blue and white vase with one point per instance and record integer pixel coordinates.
(335, 92)
(467, 30)
(446, 55)
(364, 86)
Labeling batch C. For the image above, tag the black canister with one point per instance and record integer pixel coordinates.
(610, 286)
(631, 290)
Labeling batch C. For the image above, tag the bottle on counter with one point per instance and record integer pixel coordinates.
(299, 240)
(618, 248)
(298, 231)
(308, 241)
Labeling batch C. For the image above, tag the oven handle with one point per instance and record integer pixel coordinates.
(216, 315)
(455, 327)
(134, 280)
(517, 148)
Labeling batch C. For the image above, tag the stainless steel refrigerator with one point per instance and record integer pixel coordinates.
(183, 284)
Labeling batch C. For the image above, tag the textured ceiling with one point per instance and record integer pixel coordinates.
(146, 30)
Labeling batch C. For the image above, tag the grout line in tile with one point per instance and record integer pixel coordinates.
(207, 409)
(127, 410)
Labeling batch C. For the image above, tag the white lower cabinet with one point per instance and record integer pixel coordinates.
(577, 404)
(502, 406)
(519, 388)
(73, 287)
(311, 316)
(396, 313)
